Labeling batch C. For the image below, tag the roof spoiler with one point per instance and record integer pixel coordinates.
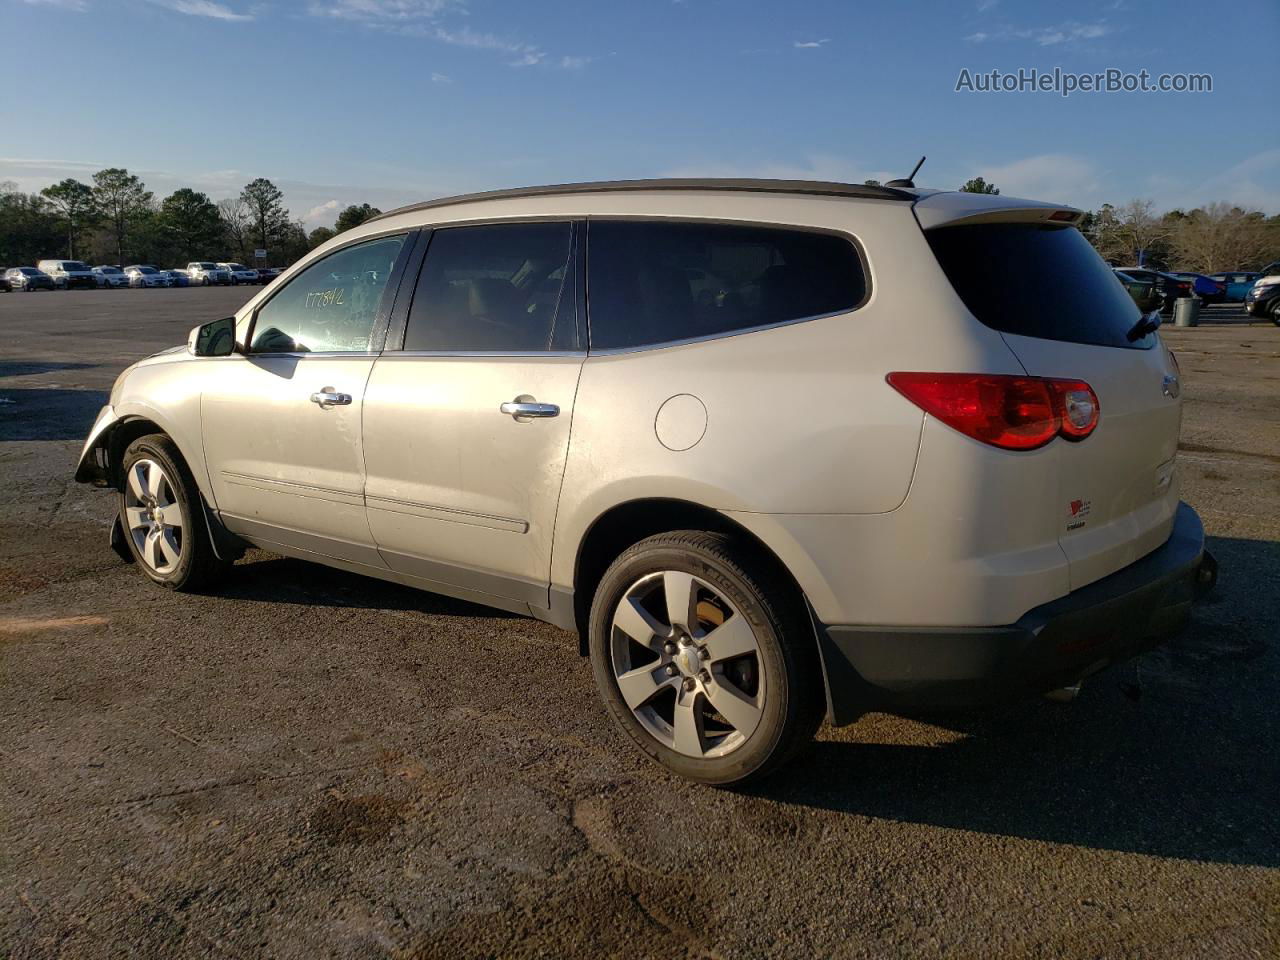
(954, 208)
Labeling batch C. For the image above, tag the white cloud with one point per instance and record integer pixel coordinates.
(383, 10)
(321, 212)
(574, 63)
(203, 8)
(1060, 177)
(79, 6)
(441, 78)
(985, 5)
(1253, 183)
(1069, 32)
(810, 44)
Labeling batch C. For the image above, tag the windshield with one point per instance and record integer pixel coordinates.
(145, 269)
(29, 271)
(238, 266)
(75, 266)
(1037, 281)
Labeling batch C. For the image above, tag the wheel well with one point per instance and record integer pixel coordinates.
(628, 523)
(123, 435)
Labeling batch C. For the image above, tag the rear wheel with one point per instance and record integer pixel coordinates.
(162, 516)
(705, 656)
(1275, 311)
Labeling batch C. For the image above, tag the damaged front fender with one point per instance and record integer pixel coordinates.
(94, 465)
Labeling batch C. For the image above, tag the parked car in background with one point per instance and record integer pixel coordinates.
(554, 421)
(5, 285)
(206, 272)
(176, 278)
(1169, 287)
(29, 279)
(112, 277)
(1237, 283)
(239, 273)
(69, 274)
(267, 274)
(143, 275)
(1264, 299)
(1143, 292)
(1207, 289)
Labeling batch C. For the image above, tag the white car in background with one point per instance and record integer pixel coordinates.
(145, 276)
(862, 463)
(207, 273)
(112, 277)
(239, 272)
(69, 274)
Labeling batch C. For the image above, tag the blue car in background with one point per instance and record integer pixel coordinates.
(177, 278)
(1207, 289)
(1237, 282)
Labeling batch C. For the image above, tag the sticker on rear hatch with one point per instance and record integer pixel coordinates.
(1078, 513)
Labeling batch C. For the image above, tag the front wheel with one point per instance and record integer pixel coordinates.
(705, 656)
(162, 516)
(1275, 311)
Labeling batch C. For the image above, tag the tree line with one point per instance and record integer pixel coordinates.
(116, 219)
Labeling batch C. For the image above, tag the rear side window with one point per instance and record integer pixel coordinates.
(1037, 281)
(652, 282)
(498, 288)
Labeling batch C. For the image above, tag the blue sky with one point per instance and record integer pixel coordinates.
(390, 101)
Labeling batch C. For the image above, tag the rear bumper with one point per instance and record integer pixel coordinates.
(1053, 645)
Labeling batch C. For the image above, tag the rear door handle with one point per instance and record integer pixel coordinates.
(527, 409)
(328, 397)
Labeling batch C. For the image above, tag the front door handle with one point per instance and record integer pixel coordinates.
(522, 409)
(328, 397)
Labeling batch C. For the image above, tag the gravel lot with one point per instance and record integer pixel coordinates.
(308, 763)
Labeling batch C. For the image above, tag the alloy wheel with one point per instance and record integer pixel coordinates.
(153, 516)
(687, 663)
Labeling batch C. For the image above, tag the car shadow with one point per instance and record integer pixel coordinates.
(31, 368)
(1172, 755)
(53, 414)
(266, 578)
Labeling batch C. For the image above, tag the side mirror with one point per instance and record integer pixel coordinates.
(214, 339)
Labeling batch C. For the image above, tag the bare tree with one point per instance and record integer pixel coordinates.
(1220, 237)
(236, 222)
(1140, 229)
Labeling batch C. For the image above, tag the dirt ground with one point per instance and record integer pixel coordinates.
(307, 763)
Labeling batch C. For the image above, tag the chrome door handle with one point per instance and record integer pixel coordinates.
(328, 397)
(526, 409)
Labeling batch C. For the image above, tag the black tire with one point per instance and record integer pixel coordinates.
(1275, 311)
(204, 281)
(794, 705)
(198, 566)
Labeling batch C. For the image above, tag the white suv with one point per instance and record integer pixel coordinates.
(69, 274)
(239, 273)
(206, 273)
(775, 450)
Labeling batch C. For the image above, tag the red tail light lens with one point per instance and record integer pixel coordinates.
(1014, 413)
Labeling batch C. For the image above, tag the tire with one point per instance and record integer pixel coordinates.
(719, 711)
(162, 518)
(204, 281)
(1275, 311)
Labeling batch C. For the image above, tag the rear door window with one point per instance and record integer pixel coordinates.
(651, 282)
(496, 288)
(1038, 281)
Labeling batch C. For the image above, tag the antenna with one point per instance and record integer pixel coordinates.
(909, 181)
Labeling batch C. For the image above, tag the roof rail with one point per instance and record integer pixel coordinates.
(820, 188)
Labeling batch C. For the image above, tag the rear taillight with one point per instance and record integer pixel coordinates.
(1014, 413)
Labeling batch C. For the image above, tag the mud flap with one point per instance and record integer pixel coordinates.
(118, 543)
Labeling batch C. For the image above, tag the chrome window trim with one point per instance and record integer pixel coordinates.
(492, 354)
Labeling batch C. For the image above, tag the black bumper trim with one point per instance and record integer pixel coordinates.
(1052, 645)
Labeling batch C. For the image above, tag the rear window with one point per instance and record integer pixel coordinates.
(1037, 281)
(651, 282)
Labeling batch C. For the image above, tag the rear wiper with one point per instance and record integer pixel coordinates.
(1148, 323)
